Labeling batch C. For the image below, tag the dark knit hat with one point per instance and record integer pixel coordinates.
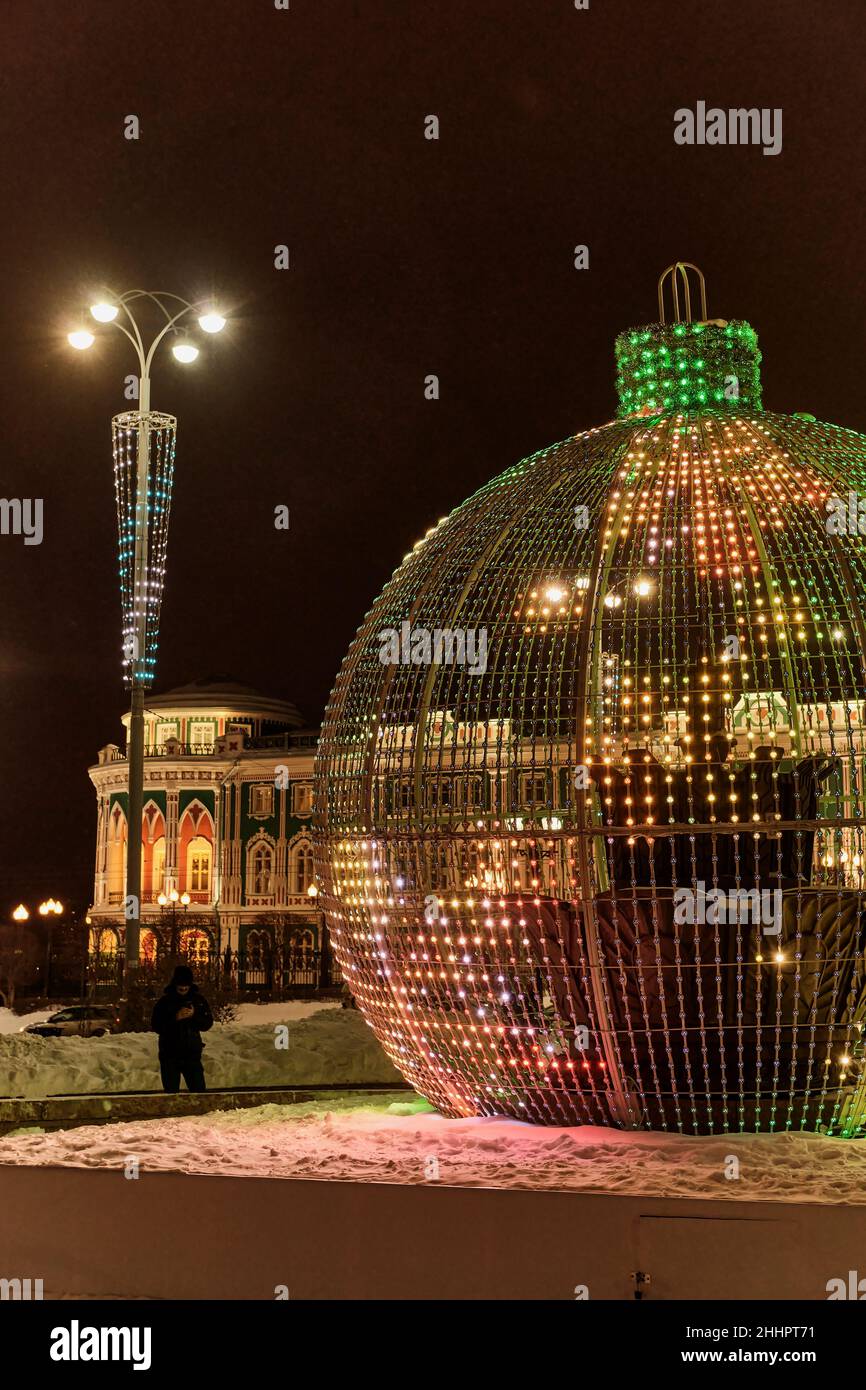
(182, 975)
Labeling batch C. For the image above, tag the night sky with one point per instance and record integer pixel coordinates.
(408, 257)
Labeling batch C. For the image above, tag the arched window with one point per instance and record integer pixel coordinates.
(147, 946)
(157, 875)
(116, 854)
(304, 943)
(260, 869)
(104, 942)
(258, 944)
(303, 866)
(195, 946)
(198, 865)
(195, 851)
(257, 958)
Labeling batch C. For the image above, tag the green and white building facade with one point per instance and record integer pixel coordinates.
(227, 863)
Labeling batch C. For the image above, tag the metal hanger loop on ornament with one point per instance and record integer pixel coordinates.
(681, 268)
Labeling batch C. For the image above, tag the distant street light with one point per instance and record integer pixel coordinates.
(168, 906)
(50, 908)
(143, 492)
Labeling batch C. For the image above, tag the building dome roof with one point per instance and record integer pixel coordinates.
(224, 693)
(630, 668)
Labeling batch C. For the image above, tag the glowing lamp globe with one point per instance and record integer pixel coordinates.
(185, 352)
(591, 781)
(104, 312)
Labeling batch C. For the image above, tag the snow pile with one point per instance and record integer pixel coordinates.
(289, 1011)
(329, 1046)
(13, 1023)
(356, 1139)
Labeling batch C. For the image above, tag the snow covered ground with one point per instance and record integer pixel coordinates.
(289, 1011)
(387, 1139)
(393, 1140)
(13, 1023)
(327, 1046)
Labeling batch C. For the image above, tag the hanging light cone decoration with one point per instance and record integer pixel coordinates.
(590, 794)
(141, 592)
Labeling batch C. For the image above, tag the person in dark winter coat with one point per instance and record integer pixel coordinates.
(180, 1017)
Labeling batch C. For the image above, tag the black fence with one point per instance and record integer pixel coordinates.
(276, 975)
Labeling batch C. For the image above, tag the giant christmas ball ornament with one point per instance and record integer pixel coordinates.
(590, 785)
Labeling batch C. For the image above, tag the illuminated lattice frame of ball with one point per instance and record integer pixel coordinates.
(490, 916)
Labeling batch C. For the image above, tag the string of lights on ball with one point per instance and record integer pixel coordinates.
(616, 876)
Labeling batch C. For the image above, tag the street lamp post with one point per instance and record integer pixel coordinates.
(46, 910)
(143, 508)
(51, 908)
(85, 943)
(168, 908)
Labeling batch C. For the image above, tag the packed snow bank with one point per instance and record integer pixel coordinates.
(290, 1011)
(13, 1023)
(394, 1142)
(329, 1047)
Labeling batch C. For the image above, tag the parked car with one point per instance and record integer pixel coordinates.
(79, 1020)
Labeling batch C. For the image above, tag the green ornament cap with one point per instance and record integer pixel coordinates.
(688, 368)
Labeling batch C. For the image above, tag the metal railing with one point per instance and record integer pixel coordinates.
(161, 750)
(234, 972)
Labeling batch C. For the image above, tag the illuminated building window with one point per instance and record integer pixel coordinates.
(262, 800)
(260, 869)
(198, 865)
(473, 792)
(195, 946)
(258, 947)
(147, 947)
(303, 861)
(302, 798)
(157, 877)
(440, 793)
(533, 789)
